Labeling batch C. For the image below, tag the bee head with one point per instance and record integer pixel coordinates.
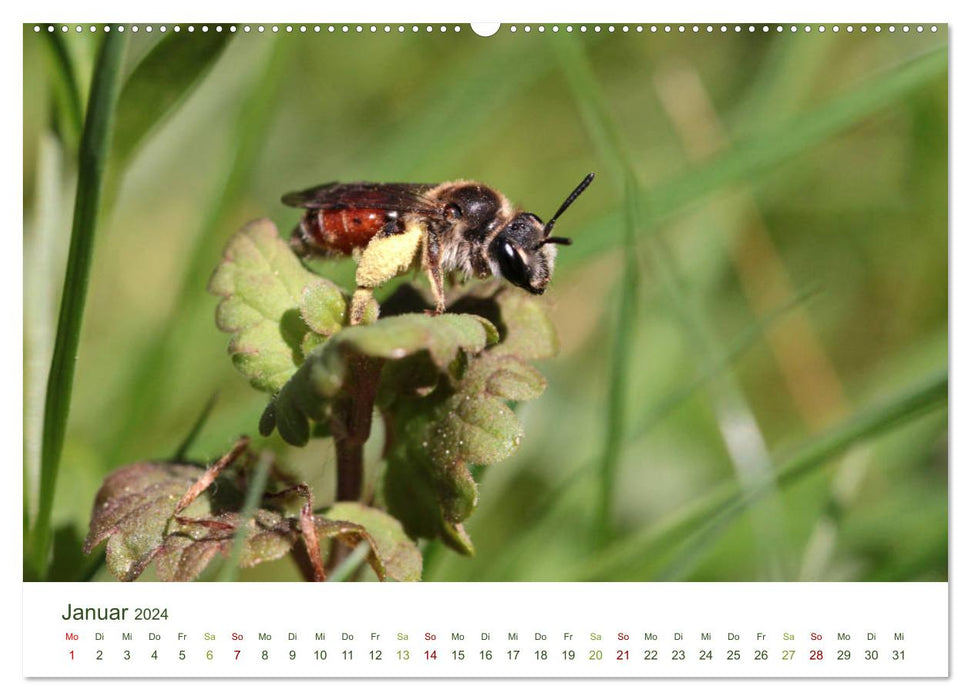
(520, 254)
(524, 250)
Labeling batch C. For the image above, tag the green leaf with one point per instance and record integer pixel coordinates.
(393, 556)
(441, 336)
(319, 309)
(160, 81)
(274, 308)
(515, 380)
(185, 551)
(443, 383)
(322, 379)
(525, 328)
(428, 484)
(463, 421)
(135, 512)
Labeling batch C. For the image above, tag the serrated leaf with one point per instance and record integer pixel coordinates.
(321, 380)
(132, 510)
(187, 550)
(441, 336)
(267, 299)
(525, 328)
(530, 332)
(515, 380)
(463, 421)
(394, 556)
(135, 512)
(162, 79)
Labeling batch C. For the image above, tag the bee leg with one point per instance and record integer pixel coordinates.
(298, 241)
(432, 263)
(392, 228)
(438, 289)
(383, 258)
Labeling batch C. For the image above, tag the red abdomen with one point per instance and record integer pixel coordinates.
(338, 232)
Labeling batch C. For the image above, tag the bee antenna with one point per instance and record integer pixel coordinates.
(553, 239)
(566, 204)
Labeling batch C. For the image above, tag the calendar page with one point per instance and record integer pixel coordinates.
(570, 350)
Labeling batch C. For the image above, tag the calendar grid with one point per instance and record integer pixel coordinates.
(512, 630)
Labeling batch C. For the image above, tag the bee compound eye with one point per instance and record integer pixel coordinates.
(512, 266)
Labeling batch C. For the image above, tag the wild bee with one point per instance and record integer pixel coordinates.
(461, 226)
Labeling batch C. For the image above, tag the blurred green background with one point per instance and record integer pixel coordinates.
(759, 270)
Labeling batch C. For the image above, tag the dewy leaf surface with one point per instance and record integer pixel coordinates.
(275, 309)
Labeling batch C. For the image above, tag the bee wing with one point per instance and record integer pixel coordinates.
(365, 195)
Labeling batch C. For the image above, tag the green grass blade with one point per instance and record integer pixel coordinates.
(747, 447)
(755, 156)
(41, 256)
(620, 362)
(580, 77)
(160, 81)
(349, 564)
(254, 494)
(194, 431)
(95, 144)
(630, 557)
(67, 93)
(576, 70)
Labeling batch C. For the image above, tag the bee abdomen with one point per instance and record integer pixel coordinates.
(339, 231)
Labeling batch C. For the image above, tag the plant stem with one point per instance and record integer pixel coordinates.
(350, 470)
(352, 428)
(303, 563)
(95, 142)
